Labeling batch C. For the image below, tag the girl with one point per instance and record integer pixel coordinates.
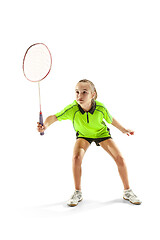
(87, 115)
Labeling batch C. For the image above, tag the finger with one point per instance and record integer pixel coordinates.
(40, 130)
(40, 127)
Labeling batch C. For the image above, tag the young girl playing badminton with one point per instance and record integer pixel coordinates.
(87, 115)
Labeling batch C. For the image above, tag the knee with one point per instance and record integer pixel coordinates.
(76, 160)
(120, 161)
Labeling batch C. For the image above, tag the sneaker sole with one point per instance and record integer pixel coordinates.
(136, 203)
(73, 205)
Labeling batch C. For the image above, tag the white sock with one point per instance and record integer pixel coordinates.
(78, 191)
(127, 190)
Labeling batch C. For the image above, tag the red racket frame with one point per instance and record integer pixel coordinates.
(50, 64)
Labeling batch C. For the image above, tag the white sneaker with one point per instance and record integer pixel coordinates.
(75, 198)
(130, 196)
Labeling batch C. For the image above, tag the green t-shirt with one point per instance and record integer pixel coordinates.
(87, 124)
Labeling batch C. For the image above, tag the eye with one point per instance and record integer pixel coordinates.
(84, 92)
(77, 92)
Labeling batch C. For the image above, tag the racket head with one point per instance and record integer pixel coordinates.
(37, 62)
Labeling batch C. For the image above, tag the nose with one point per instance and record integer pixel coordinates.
(79, 95)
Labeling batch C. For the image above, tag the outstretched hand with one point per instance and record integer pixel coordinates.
(128, 132)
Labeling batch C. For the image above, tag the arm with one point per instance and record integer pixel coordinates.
(49, 120)
(116, 124)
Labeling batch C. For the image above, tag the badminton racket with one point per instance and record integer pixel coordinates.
(37, 63)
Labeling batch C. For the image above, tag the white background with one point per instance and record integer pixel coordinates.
(115, 44)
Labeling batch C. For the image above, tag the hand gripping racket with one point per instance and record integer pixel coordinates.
(37, 63)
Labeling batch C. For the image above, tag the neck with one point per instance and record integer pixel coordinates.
(86, 107)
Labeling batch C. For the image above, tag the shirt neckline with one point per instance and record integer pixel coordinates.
(90, 111)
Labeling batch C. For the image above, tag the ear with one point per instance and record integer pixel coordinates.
(93, 95)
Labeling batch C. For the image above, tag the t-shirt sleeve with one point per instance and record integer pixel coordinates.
(107, 115)
(66, 113)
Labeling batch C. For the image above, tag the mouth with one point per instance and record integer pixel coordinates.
(80, 100)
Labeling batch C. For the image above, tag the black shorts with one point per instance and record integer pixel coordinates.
(96, 140)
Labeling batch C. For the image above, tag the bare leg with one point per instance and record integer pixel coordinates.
(80, 148)
(109, 146)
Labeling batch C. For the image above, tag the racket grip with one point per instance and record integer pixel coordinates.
(41, 121)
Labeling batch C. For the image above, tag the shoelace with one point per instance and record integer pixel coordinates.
(75, 195)
(131, 194)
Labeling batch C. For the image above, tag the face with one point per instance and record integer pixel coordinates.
(84, 93)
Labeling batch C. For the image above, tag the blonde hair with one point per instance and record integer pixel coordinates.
(92, 86)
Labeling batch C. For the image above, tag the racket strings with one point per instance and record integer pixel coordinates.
(37, 62)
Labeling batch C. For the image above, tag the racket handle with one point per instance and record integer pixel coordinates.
(41, 121)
